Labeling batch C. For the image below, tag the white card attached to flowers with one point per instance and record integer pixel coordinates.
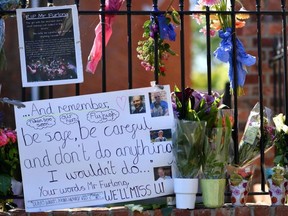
(96, 149)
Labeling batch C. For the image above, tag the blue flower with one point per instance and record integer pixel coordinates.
(166, 28)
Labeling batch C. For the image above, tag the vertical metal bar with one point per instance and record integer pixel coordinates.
(278, 71)
(103, 60)
(280, 84)
(23, 90)
(182, 45)
(23, 3)
(35, 91)
(129, 41)
(77, 85)
(77, 2)
(274, 64)
(156, 38)
(259, 52)
(182, 56)
(284, 38)
(235, 88)
(275, 81)
(50, 94)
(208, 50)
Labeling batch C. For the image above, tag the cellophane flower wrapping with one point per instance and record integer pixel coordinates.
(188, 140)
(216, 148)
(249, 146)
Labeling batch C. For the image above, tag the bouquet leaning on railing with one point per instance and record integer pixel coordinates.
(240, 174)
(249, 146)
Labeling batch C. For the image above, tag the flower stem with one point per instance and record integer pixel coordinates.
(170, 5)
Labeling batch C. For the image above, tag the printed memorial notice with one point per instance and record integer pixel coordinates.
(49, 44)
(94, 149)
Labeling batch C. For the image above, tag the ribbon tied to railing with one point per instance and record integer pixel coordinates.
(225, 54)
(96, 51)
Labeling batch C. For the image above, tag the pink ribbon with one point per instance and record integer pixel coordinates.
(96, 51)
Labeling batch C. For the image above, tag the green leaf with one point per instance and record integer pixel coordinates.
(278, 159)
(147, 24)
(5, 184)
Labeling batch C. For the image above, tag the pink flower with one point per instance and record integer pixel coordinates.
(198, 17)
(204, 31)
(208, 2)
(11, 135)
(3, 139)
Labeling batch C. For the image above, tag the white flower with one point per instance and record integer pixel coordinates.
(279, 123)
(138, 208)
(133, 207)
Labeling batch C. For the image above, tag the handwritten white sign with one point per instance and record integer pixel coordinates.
(96, 149)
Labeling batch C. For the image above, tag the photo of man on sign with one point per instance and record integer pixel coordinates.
(158, 104)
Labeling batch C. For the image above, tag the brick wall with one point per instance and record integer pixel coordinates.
(253, 210)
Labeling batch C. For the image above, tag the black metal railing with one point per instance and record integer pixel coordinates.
(277, 62)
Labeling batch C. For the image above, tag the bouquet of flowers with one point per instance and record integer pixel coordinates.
(198, 107)
(9, 157)
(280, 141)
(222, 23)
(216, 148)
(249, 146)
(158, 29)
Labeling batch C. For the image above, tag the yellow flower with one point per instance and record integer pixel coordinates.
(242, 16)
